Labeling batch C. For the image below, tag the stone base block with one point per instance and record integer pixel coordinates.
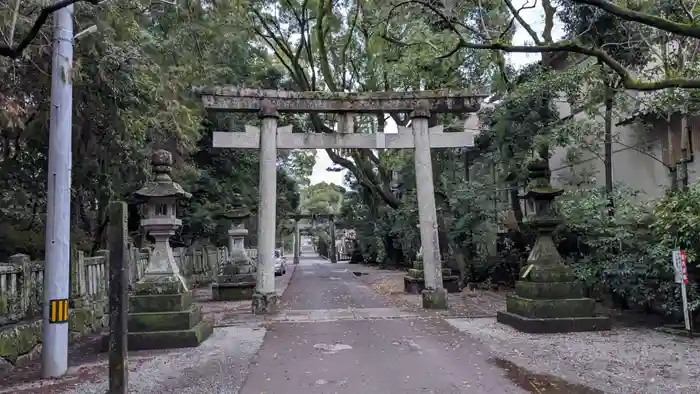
(166, 339)
(555, 308)
(159, 284)
(165, 321)
(413, 285)
(160, 302)
(232, 291)
(548, 290)
(264, 303)
(553, 325)
(434, 298)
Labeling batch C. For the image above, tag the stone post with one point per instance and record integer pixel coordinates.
(22, 262)
(161, 312)
(118, 298)
(265, 297)
(333, 251)
(434, 295)
(546, 299)
(297, 241)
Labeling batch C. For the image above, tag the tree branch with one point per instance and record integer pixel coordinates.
(682, 29)
(15, 52)
(573, 46)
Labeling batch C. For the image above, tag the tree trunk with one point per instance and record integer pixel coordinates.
(685, 153)
(607, 159)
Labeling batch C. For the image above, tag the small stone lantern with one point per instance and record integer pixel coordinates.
(236, 280)
(547, 299)
(236, 214)
(161, 196)
(161, 312)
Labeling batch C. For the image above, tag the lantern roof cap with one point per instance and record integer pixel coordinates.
(163, 185)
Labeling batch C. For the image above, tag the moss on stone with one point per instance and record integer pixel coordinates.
(81, 320)
(160, 302)
(165, 321)
(553, 308)
(156, 286)
(19, 339)
(434, 298)
(547, 290)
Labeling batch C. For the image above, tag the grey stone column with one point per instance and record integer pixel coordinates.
(333, 252)
(434, 295)
(265, 297)
(297, 242)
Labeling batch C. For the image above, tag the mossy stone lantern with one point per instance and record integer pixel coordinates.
(546, 298)
(162, 314)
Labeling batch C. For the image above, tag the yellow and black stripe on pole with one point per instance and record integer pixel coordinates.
(58, 311)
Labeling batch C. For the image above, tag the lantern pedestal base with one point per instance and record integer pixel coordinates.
(553, 325)
(549, 301)
(163, 316)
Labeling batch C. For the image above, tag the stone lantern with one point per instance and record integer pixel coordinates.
(546, 298)
(236, 279)
(161, 313)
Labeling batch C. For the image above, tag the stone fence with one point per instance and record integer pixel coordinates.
(21, 280)
(22, 298)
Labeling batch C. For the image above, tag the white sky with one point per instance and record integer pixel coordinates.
(535, 17)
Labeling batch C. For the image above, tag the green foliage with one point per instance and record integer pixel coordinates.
(132, 85)
(629, 253)
(322, 198)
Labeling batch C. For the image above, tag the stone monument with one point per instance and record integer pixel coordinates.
(161, 311)
(546, 299)
(236, 279)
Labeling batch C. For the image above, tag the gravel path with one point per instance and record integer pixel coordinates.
(622, 361)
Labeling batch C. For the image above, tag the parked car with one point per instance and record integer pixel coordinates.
(280, 263)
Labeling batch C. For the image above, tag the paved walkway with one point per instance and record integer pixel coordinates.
(336, 336)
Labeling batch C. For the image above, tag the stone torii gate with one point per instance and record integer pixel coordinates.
(269, 103)
(297, 235)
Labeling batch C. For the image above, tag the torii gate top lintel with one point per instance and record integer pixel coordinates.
(234, 99)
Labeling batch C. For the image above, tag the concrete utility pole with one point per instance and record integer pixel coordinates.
(57, 265)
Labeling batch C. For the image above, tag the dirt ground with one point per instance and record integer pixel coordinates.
(477, 303)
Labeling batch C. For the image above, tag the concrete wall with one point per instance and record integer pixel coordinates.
(640, 158)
